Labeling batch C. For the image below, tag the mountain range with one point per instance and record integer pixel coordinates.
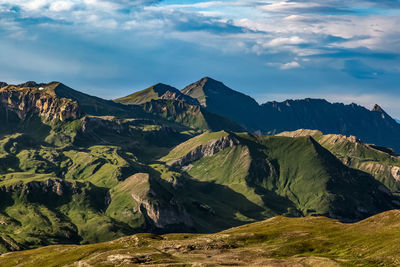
(78, 169)
(372, 126)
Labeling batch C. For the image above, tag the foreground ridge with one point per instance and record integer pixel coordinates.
(279, 241)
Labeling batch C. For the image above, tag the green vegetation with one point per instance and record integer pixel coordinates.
(311, 241)
(84, 170)
(183, 148)
(380, 162)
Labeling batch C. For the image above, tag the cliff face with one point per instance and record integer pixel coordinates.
(161, 209)
(39, 99)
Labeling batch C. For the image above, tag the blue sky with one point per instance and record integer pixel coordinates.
(344, 51)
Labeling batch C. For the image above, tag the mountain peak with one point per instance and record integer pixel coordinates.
(29, 84)
(380, 110)
(218, 98)
(377, 108)
(208, 79)
(208, 90)
(161, 88)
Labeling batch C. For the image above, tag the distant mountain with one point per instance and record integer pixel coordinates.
(220, 99)
(168, 102)
(373, 126)
(155, 92)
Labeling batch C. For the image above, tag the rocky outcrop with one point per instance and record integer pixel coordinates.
(177, 95)
(38, 189)
(396, 173)
(90, 124)
(206, 150)
(162, 212)
(26, 99)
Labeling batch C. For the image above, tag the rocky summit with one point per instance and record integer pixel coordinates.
(140, 171)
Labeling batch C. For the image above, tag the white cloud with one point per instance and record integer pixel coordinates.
(294, 40)
(285, 6)
(61, 6)
(269, 27)
(34, 5)
(290, 65)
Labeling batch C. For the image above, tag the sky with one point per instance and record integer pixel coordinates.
(343, 51)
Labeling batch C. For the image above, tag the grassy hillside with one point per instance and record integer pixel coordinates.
(380, 162)
(280, 241)
(282, 175)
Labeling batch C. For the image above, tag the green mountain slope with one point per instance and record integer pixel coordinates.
(293, 176)
(380, 162)
(280, 241)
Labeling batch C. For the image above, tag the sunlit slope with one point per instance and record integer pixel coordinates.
(282, 175)
(280, 241)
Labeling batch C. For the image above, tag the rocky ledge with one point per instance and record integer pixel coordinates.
(206, 150)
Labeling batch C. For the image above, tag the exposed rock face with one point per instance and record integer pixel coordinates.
(165, 214)
(206, 150)
(354, 140)
(396, 173)
(37, 189)
(28, 98)
(177, 95)
(90, 124)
